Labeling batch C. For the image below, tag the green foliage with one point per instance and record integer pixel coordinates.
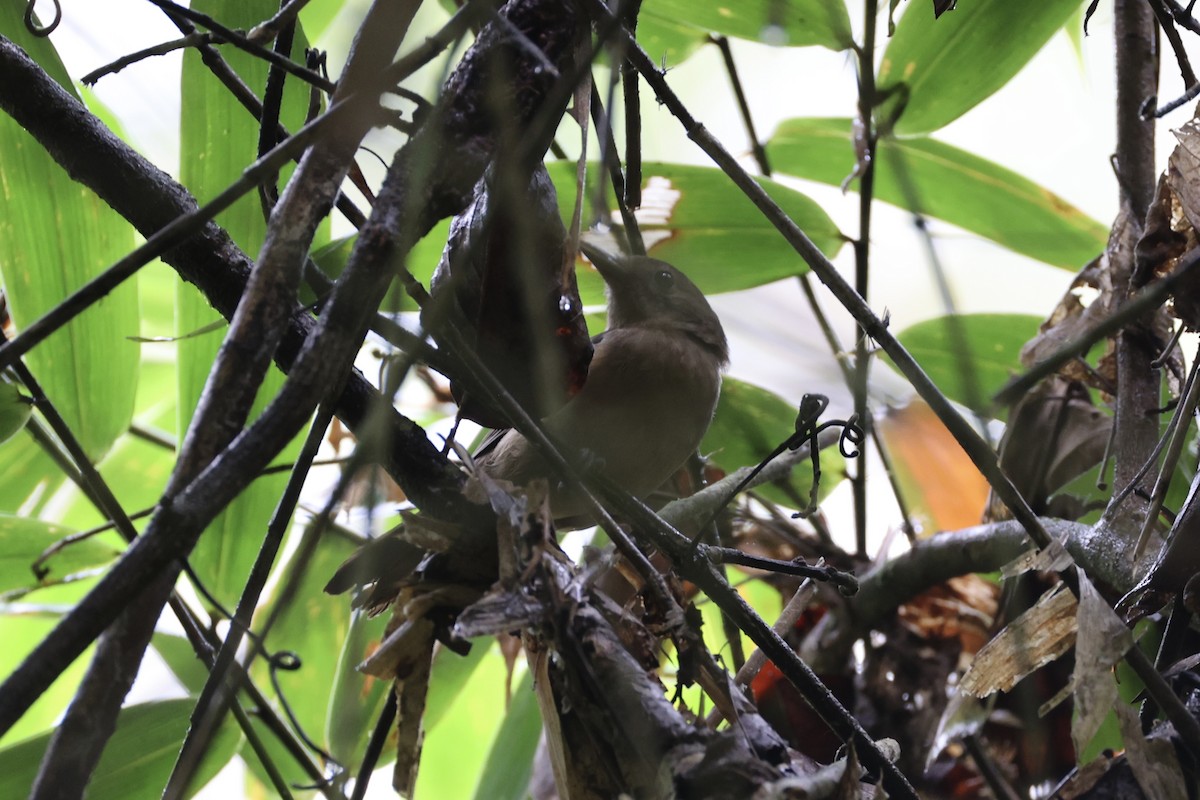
(935, 179)
(55, 236)
(990, 344)
(22, 541)
(137, 760)
(935, 70)
(218, 139)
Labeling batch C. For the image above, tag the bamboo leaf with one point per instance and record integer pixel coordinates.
(935, 70)
(932, 178)
(218, 139)
(55, 235)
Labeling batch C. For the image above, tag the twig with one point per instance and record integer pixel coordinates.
(191, 40)
(633, 115)
(760, 152)
(218, 688)
(866, 143)
(241, 42)
(267, 30)
(379, 737)
(1167, 24)
(1178, 436)
(611, 162)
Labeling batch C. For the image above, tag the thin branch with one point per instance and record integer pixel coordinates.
(867, 144)
(1167, 24)
(379, 737)
(241, 42)
(756, 147)
(191, 40)
(218, 688)
(269, 29)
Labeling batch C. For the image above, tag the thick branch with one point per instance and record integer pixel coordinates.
(1136, 427)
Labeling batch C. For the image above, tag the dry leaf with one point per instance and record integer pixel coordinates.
(1054, 434)
(1037, 637)
(1152, 760)
(1102, 640)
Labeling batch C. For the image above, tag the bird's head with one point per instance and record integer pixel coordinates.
(646, 292)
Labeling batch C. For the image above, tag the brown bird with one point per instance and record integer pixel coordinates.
(648, 400)
(650, 393)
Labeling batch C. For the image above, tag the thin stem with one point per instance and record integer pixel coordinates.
(218, 689)
(379, 737)
(756, 147)
(240, 41)
(868, 144)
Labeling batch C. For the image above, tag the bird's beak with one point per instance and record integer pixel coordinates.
(613, 268)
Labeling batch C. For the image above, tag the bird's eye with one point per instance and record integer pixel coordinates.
(663, 279)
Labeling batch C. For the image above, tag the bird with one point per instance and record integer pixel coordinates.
(649, 398)
(650, 394)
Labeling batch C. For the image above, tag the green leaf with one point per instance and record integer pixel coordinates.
(781, 22)
(314, 626)
(453, 757)
(21, 633)
(509, 763)
(25, 468)
(705, 226)
(182, 660)
(751, 422)
(449, 676)
(22, 540)
(992, 342)
(933, 178)
(218, 140)
(937, 70)
(55, 235)
(668, 41)
(15, 410)
(356, 700)
(137, 760)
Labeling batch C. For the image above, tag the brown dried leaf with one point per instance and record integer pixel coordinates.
(412, 688)
(1037, 637)
(1085, 778)
(963, 608)
(1093, 296)
(1152, 760)
(1183, 171)
(1101, 641)
(1054, 434)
